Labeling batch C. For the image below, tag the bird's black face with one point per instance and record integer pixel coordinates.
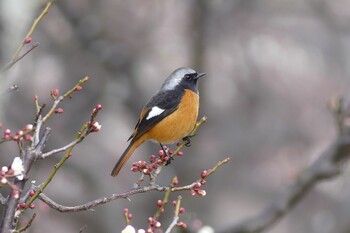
(189, 81)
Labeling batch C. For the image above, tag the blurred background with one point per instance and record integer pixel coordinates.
(272, 66)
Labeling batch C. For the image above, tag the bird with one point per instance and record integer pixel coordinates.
(169, 115)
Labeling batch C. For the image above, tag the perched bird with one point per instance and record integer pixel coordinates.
(169, 115)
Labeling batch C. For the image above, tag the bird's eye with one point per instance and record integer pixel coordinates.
(188, 77)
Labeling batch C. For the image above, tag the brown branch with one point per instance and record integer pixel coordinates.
(58, 150)
(103, 200)
(29, 157)
(28, 224)
(327, 166)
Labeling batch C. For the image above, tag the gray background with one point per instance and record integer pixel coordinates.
(271, 67)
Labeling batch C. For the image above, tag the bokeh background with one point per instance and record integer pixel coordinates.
(272, 66)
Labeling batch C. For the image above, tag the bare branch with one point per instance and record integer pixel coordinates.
(15, 57)
(28, 224)
(58, 150)
(18, 58)
(103, 200)
(327, 166)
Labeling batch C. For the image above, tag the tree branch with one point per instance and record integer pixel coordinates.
(103, 200)
(16, 57)
(328, 165)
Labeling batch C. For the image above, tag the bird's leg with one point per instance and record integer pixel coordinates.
(187, 139)
(166, 154)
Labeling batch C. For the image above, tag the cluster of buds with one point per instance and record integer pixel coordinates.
(128, 216)
(15, 170)
(142, 166)
(94, 125)
(5, 173)
(181, 225)
(155, 161)
(129, 228)
(20, 134)
(23, 205)
(153, 223)
(195, 190)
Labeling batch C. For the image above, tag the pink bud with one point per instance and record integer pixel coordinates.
(159, 203)
(15, 138)
(27, 40)
(31, 193)
(180, 153)
(28, 137)
(197, 185)
(153, 158)
(98, 107)
(78, 88)
(28, 127)
(55, 92)
(204, 174)
(175, 181)
(7, 132)
(59, 110)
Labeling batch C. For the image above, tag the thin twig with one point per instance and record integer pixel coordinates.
(176, 215)
(61, 98)
(81, 135)
(28, 224)
(29, 34)
(165, 201)
(82, 228)
(210, 172)
(13, 62)
(58, 150)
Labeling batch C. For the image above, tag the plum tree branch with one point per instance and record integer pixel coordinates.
(103, 200)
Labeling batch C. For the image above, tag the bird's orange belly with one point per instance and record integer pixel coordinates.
(178, 124)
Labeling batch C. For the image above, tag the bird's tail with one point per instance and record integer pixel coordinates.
(126, 155)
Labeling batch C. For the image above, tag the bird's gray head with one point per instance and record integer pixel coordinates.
(185, 77)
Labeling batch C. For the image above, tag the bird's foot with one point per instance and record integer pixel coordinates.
(169, 160)
(187, 141)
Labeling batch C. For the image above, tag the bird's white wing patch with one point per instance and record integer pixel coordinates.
(155, 111)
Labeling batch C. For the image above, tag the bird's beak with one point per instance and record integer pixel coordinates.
(200, 75)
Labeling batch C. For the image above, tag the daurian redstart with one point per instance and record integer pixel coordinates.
(169, 115)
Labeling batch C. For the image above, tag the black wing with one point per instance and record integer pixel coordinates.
(168, 100)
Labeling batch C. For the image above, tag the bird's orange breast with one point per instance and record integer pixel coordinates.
(178, 124)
